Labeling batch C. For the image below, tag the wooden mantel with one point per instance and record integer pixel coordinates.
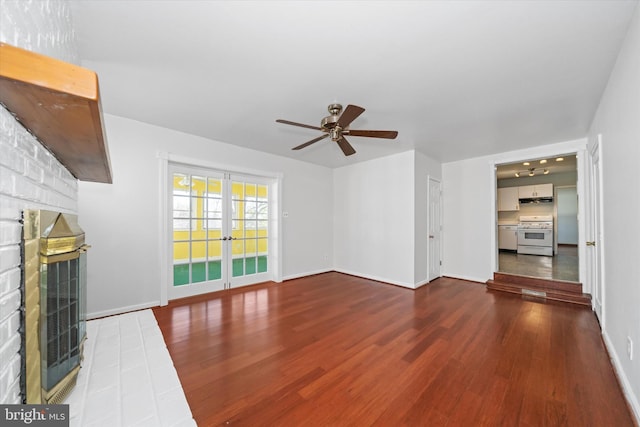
(59, 103)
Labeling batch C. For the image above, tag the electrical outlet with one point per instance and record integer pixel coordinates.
(630, 348)
(285, 214)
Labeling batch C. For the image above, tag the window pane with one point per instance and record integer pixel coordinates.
(250, 265)
(238, 267)
(198, 272)
(180, 274)
(215, 270)
(180, 251)
(262, 264)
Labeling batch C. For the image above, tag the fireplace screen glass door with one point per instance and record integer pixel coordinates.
(219, 230)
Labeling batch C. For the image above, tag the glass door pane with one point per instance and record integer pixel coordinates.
(250, 230)
(197, 221)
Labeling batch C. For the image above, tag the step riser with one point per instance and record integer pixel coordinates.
(538, 284)
(574, 298)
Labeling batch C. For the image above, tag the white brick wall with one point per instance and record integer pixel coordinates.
(30, 177)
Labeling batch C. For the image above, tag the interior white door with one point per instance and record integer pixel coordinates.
(219, 230)
(594, 237)
(434, 220)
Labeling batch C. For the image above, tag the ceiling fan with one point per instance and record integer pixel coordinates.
(336, 126)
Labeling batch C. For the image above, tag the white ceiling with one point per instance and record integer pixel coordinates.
(456, 79)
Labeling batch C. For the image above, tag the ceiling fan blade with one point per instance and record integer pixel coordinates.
(287, 122)
(346, 148)
(349, 114)
(388, 134)
(308, 143)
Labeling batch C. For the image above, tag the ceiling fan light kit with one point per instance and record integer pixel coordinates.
(336, 126)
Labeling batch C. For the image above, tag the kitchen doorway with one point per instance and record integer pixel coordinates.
(528, 197)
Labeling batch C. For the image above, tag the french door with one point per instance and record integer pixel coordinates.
(219, 230)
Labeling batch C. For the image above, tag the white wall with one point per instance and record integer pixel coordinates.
(122, 220)
(30, 177)
(374, 217)
(618, 121)
(468, 199)
(380, 208)
(425, 167)
(469, 219)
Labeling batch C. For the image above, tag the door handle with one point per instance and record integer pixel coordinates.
(591, 243)
(431, 236)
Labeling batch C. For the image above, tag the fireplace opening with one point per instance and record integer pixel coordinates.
(54, 297)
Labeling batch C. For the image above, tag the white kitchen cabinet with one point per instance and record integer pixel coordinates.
(508, 237)
(539, 190)
(508, 199)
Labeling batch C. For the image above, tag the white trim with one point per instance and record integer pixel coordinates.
(584, 206)
(190, 161)
(121, 310)
(163, 170)
(377, 278)
(424, 282)
(307, 274)
(627, 389)
(466, 278)
(273, 179)
(431, 178)
(578, 146)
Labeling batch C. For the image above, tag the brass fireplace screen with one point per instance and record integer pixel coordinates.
(54, 328)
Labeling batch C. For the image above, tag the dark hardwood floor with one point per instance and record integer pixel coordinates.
(562, 266)
(337, 350)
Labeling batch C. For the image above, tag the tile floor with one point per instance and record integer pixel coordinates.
(127, 377)
(562, 266)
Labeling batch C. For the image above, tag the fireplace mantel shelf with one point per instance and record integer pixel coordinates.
(59, 104)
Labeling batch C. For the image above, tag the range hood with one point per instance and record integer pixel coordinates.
(529, 200)
(59, 104)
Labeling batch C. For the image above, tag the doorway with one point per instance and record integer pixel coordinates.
(218, 229)
(528, 175)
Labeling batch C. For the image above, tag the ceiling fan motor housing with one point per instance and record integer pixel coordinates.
(330, 122)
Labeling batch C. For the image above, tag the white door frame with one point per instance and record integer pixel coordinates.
(275, 191)
(595, 254)
(435, 236)
(578, 147)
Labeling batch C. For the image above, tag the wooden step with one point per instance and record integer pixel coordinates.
(557, 290)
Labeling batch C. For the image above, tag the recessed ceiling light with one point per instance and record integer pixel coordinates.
(543, 161)
(559, 159)
(526, 163)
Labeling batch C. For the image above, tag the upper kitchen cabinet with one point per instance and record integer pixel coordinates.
(59, 104)
(508, 199)
(535, 191)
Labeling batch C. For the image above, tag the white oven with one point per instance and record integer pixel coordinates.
(535, 235)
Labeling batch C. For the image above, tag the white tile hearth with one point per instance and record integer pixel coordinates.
(127, 377)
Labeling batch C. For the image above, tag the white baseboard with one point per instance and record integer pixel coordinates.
(378, 279)
(627, 390)
(120, 310)
(467, 278)
(308, 273)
